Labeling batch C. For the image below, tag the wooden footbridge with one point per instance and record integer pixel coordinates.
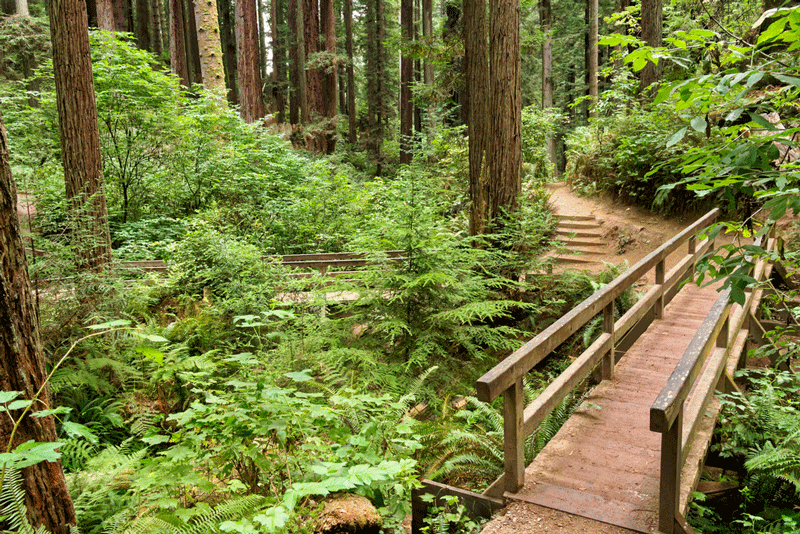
(632, 453)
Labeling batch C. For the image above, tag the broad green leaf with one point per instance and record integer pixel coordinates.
(54, 411)
(754, 79)
(734, 115)
(8, 396)
(698, 124)
(75, 430)
(791, 80)
(151, 354)
(676, 137)
(31, 452)
(119, 323)
(761, 121)
(19, 404)
(273, 519)
(301, 376)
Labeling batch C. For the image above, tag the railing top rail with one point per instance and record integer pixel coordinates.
(504, 374)
(667, 405)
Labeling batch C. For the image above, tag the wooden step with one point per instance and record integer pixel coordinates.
(578, 233)
(574, 217)
(578, 224)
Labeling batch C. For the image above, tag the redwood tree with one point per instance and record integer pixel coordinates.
(406, 81)
(476, 66)
(80, 137)
(177, 43)
(652, 30)
(22, 366)
(247, 57)
(210, 48)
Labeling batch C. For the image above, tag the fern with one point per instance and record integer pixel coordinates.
(12, 505)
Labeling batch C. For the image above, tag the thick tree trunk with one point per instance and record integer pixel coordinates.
(329, 74)
(22, 365)
(80, 138)
(376, 80)
(476, 66)
(298, 104)
(228, 47)
(156, 18)
(143, 37)
(177, 46)
(314, 90)
(546, 16)
(278, 60)
(504, 138)
(652, 29)
(593, 9)
(105, 15)
(120, 9)
(406, 80)
(249, 71)
(208, 41)
(22, 8)
(192, 45)
(427, 68)
(352, 134)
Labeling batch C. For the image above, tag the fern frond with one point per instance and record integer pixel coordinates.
(12, 501)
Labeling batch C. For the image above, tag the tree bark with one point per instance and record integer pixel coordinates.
(504, 138)
(406, 80)
(593, 9)
(192, 45)
(120, 9)
(156, 17)
(22, 8)
(427, 68)
(352, 133)
(228, 47)
(22, 365)
(177, 45)
(210, 48)
(329, 75)
(247, 56)
(298, 109)
(105, 15)
(143, 37)
(80, 137)
(278, 60)
(546, 17)
(652, 29)
(476, 66)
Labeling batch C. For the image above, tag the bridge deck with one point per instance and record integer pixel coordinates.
(604, 462)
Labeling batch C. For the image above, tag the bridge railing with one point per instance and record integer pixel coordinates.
(506, 378)
(707, 365)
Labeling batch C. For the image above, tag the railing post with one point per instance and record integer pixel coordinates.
(513, 438)
(671, 462)
(659, 305)
(608, 328)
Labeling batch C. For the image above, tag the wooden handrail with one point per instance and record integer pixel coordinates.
(504, 374)
(712, 343)
(506, 378)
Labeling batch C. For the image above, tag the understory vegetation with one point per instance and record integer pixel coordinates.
(232, 394)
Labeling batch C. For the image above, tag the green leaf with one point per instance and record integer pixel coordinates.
(19, 404)
(119, 323)
(31, 453)
(676, 137)
(8, 396)
(734, 115)
(151, 354)
(54, 411)
(698, 124)
(791, 80)
(761, 121)
(301, 376)
(75, 430)
(273, 519)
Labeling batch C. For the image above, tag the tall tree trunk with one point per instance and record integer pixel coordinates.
(22, 363)
(105, 15)
(208, 41)
(262, 39)
(504, 138)
(427, 34)
(352, 134)
(546, 17)
(121, 9)
(22, 8)
(593, 8)
(278, 60)
(156, 17)
(652, 29)
(406, 80)
(192, 44)
(249, 72)
(177, 45)
(314, 75)
(301, 81)
(476, 66)
(228, 46)
(80, 137)
(143, 38)
(329, 74)
(8, 7)
(376, 76)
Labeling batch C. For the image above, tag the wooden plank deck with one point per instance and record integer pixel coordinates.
(604, 462)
